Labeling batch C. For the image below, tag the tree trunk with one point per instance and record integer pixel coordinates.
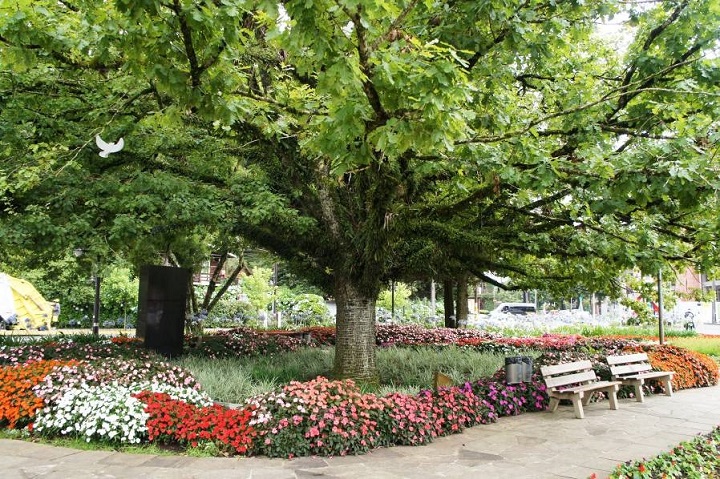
(462, 299)
(355, 333)
(213, 280)
(230, 280)
(449, 303)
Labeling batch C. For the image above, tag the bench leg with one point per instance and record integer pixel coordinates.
(639, 395)
(668, 387)
(612, 395)
(586, 396)
(577, 405)
(554, 403)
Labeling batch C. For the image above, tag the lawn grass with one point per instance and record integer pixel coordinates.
(588, 331)
(709, 345)
(406, 370)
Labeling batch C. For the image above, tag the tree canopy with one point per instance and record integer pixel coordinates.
(366, 140)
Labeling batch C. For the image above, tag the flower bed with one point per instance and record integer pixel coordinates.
(170, 420)
(18, 402)
(125, 400)
(240, 342)
(699, 457)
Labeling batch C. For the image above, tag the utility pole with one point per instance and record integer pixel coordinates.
(661, 326)
(714, 300)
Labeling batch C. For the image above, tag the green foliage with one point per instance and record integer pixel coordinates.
(304, 309)
(619, 330)
(698, 294)
(403, 292)
(643, 313)
(369, 141)
(258, 288)
(698, 457)
(69, 281)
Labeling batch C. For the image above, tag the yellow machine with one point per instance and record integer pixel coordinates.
(21, 306)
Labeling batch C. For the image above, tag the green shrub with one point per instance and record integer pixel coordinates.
(305, 310)
(699, 457)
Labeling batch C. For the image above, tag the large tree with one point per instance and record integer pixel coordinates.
(377, 140)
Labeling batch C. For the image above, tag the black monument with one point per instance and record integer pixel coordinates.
(161, 312)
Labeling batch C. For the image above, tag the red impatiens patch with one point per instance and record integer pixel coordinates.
(173, 421)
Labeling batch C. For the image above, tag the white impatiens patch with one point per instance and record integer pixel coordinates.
(108, 412)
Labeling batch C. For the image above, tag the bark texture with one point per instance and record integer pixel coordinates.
(355, 333)
(462, 299)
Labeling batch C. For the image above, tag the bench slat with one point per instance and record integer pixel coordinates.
(648, 375)
(627, 358)
(630, 369)
(580, 377)
(563, 368)
(596, 386)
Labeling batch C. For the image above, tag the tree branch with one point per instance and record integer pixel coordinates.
(364, 60)
(195, 70)
(394, 25)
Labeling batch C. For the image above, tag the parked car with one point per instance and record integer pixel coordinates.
(514, 308)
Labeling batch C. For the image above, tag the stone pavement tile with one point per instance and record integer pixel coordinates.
(693, 429)
(177, 462)
(375, 472)
(231, 474)
(9, 462)
(498, 446)
(309, 462)
(632, 452)
(565, 464)
(508, 470)
(14, 474)
(124, 459)
(19, 448)
(225, 463)
(53, 472)
(310, 473)
(666, 439)
(264, 473)
(382, 470)
(708, 419)
(573, 471)
(471, 458)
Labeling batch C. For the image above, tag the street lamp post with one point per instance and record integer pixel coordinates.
(78, 252)
(96, 306)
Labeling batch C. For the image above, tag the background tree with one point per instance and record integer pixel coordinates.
(366, 138)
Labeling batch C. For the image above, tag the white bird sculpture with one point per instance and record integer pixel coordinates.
(107, 148)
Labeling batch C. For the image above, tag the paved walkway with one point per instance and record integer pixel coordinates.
(534, 445)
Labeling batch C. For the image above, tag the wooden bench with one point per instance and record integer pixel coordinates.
(635, 369)
(577, 382)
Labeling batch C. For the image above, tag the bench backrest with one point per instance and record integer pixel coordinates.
(628, 364)
(568, 374)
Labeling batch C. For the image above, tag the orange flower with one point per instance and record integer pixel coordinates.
(18, 403)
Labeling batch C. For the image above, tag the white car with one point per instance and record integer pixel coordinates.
(514, 308)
